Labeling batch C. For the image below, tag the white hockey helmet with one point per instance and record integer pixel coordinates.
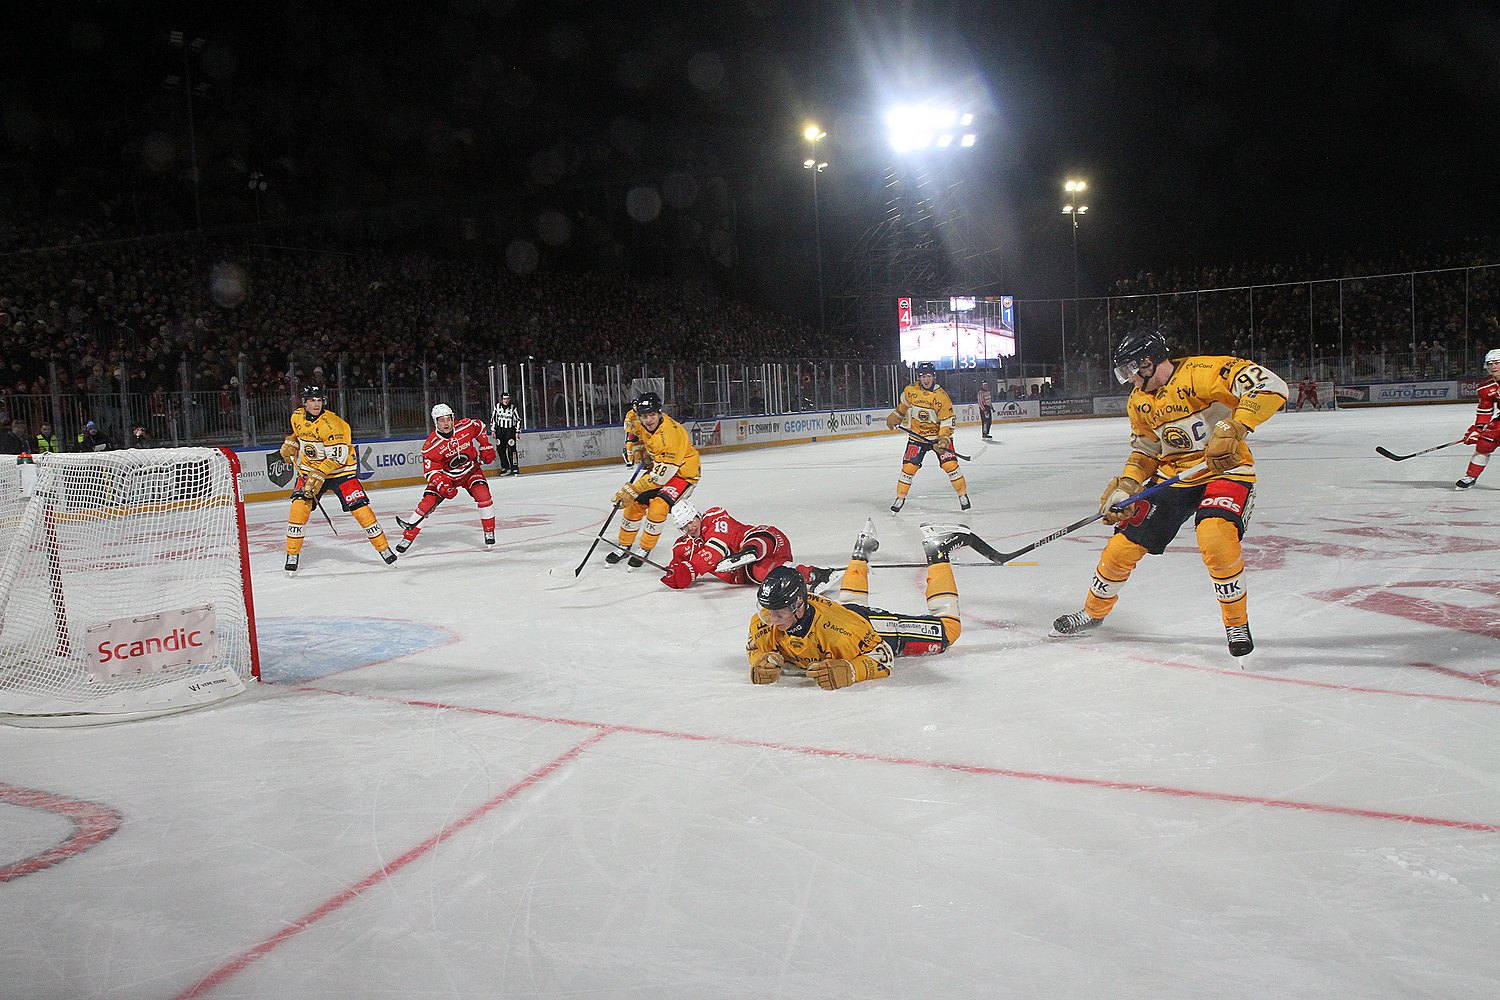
(441, 410)
(682, 513)
(1492, 356)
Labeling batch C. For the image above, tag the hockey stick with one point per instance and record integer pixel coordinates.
(1401, 458)
(633, 553)
(605, 526)
(933, 441)
(994, 555)
(318, 503)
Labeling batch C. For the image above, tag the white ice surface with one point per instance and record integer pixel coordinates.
(469, 778)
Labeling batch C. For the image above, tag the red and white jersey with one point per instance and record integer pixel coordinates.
(1489, 404)
(458, 453)
(722, 536)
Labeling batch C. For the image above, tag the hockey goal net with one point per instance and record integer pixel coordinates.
(124, 585)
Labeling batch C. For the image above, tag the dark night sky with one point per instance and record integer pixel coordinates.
(1209, 132)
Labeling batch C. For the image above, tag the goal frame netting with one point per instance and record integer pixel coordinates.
(125, 588)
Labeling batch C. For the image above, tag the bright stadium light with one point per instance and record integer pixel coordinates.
(923, 127)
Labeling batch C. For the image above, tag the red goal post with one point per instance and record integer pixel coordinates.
(124, 585)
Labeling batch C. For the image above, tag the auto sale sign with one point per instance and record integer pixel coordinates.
(149, 644)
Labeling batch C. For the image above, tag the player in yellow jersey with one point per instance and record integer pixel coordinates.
(321, 449)
(839, 644)
(927, 410)
(635, 451)
(1184, 412)
(673, 472)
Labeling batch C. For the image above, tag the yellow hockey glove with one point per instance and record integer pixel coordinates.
(766, 668)
(832, 674)
(1119, 489)
(310, 485)
(639, 455)
(289, 449)
(893, 419)
(945, 442)
(1223, 450)
(627, 495)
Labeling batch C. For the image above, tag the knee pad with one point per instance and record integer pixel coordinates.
(1219, 542)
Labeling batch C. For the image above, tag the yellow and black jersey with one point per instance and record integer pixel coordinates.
(325, 444)
(830, 632)
(929, 412)
(672, 454)
(635, 433)
(1170, 427)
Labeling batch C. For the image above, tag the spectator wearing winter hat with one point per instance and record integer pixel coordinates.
(93, 438)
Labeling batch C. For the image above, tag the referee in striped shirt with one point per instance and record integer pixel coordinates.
(505, 423)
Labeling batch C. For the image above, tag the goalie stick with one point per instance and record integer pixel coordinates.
(933, 441)
(613, 510)
(1401, 458)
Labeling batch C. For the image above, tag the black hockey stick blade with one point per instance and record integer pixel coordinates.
(1401, 458)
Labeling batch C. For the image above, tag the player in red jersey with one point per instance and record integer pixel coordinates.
(453, 458)
(1484, 435)
(716, 544)
(1307, 392)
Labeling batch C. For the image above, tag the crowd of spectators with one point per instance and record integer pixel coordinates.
(95, 307)
(1389, 316)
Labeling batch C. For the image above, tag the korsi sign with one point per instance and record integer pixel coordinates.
(149, 644)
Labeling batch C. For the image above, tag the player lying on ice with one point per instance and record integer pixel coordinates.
(715, 543)
(839, 644)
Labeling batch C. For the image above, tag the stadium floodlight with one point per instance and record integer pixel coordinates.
(924, 127)
(813, 133)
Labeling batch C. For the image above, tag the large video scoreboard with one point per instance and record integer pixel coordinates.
(961, 331)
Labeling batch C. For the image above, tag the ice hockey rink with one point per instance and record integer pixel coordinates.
(467, 777)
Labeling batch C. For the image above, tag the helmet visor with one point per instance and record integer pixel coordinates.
(1126, 370)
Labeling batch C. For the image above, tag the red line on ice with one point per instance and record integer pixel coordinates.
(302, 923)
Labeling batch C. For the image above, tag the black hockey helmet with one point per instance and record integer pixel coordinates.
(783, 587)
(1137, 347)
(647, 402)
(314, 392)
(926, 368)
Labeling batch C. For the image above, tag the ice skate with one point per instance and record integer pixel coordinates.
(404, 544)
(489, 541)
(866, 544)
(636, 561)
(963, 501)
(896, 507)
(819, 577)
(389, 557)
(291, 564)
(940, 539)
(1240, 643)
(1464, 483)
(1075, 624)
(614, 557)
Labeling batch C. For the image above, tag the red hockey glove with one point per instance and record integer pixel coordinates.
(1473, 434)
(678, 576)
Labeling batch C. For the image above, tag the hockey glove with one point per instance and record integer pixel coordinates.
(678, 576)
(309, 486)
(832, 674)
(766, 668)
(627, 495)
(1223, 450)
(486, 455)
(1120, 489)
(1472, 435)
(289, 450)
(893, 419)
(945, 444)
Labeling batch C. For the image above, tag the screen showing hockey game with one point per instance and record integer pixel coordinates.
(961, 331)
